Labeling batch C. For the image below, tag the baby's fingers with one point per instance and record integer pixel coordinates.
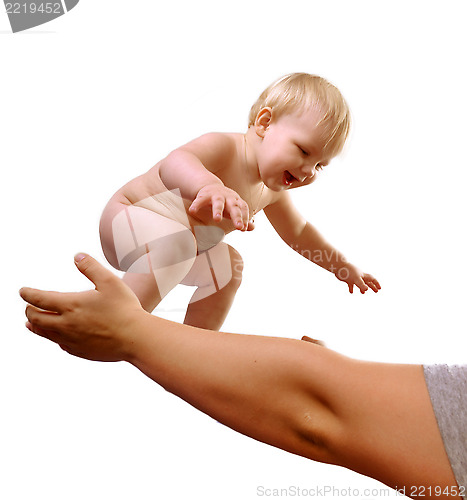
(198, 203)
(239, 213)
(361, 285)
(218, 204)
(250, 226)
(372, 282)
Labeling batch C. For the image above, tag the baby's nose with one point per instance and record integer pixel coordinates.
(308, 171)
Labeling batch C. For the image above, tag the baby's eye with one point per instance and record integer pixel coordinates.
(303, 151)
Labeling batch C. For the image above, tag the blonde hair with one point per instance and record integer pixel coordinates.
(299, 91)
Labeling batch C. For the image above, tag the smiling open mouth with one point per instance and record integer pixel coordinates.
(289, 178)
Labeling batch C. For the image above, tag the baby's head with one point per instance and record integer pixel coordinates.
(300, 92)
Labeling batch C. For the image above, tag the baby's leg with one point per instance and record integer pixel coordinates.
(156, 252)
(217, 273)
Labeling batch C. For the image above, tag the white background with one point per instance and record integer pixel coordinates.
(99, 95)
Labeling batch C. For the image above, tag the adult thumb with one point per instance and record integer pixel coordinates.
(94, 271)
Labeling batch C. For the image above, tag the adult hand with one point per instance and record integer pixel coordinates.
(94, 324)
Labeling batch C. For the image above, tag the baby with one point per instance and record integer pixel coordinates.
(166, 226)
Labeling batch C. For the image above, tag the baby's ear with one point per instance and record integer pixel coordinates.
(263, 120)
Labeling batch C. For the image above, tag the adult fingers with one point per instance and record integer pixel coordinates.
(95, 272)
(45, 320)
(313, 341)
(47, 334)
(50, 301)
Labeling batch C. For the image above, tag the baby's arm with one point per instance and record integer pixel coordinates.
(306, 240)
(192, 168)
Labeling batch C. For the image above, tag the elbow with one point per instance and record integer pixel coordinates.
(320, 436)
(320, 427)
(164, 168)
(169, 168)
(172, 159)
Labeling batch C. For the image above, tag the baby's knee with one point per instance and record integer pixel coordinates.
(106, 235)
(219, 267)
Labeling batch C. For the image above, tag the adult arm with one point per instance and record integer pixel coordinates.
(373, 418)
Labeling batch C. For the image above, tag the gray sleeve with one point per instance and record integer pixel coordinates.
(447, 386)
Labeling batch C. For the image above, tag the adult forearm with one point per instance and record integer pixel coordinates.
(265, 387)
(374, 418)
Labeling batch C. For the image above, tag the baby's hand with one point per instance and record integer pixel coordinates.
(353, 276)
(223, 200)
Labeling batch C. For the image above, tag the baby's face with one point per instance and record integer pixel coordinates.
(292, 150)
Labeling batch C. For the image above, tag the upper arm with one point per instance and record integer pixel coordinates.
(194, 165)
(212, 149)
(285, 218)
(387, 428)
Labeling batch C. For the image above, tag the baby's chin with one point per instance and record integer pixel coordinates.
(273, 186)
